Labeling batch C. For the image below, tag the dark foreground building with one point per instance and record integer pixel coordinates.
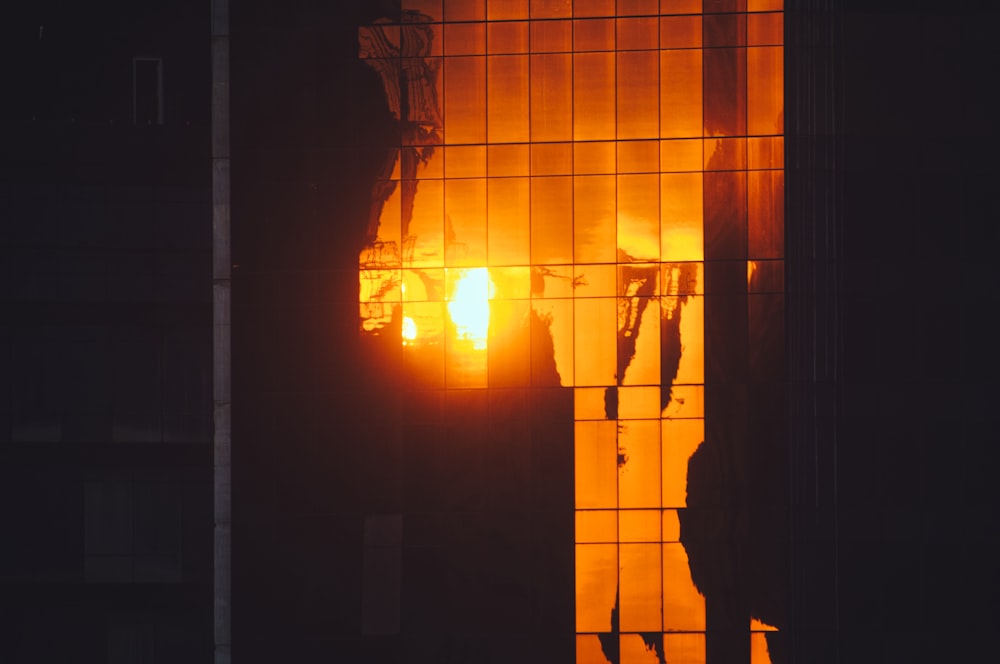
(380, 517)
(105, 372)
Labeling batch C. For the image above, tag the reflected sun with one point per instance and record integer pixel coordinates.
(469, 304)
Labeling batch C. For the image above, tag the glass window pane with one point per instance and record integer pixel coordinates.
(641, 602)
(551, 97)
(552, 321)
(638, 33)
(684, 648)
(430, 8)
(593, 8)
(639, 526)
(589, 650)
(725, 154)
(681, 94)
(639, 217)
(596, 586)
(766, 212)
(464, 368)
(691, 368)
(596, 526)
(680, 6)
(596, 454)
(765, 29)
(639, 463)
(765, 5)
(766, 276)
(465, 221)
(680, 439)
(465, 161)
(588, 403)
(766, 152)
(424, 245)
(595, 34)
(426, 356)
(637, 7)
(464, 38)
(507, 216)
(551, 158)
(507, 37)
(507, 91)
(596, 326)
(683, 605)
(506, 9)
(638, 156)
(680, 32)
(551, 37)
(464, 10)
(551, 220)
(686, 402)
(593, 96)
(594, 158)
(465, 99)
(638, 649)
(511, 283)
(758, 649)
(765, 93)
(725, 91)
(507, 160)
(641, 402)
(724, 30)
(638, 98)
(509, 344)
(671, 529)
(681, 222)
(594, 229)
(679, 155)
(550, 8)
(595, 280)
(725, 215)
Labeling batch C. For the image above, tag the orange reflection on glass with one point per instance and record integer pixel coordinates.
(639, 574)
(683, 605)
(681, 93)
(639, 526)
(682, 217)
(589, 650)
(638, 463)
(636, 650)
(759, 653)
(765, 89)
(506, 9)
(469, 304)
(758, 649)
(684, 648)
(551, 102)
(596, 586)
(596, 455)
(680, 439)
(597, 526)
(637, 33)
(506, 37)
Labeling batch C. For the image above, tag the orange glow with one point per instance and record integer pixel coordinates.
(550, 186)
(469, 305)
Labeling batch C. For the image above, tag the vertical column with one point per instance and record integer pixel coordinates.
(221, 289)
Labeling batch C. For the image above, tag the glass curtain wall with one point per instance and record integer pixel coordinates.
(565, 176)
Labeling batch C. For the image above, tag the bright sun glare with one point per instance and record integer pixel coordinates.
(469, 305)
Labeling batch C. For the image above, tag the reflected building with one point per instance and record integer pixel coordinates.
(598, 190)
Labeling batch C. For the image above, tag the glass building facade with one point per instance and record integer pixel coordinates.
(597, 188)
